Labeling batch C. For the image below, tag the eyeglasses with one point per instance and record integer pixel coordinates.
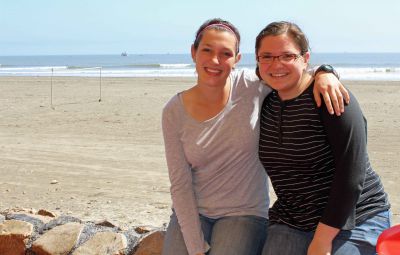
(284, 58)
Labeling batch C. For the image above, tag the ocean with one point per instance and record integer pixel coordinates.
(351, 66)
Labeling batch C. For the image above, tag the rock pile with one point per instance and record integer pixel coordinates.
(31, 232)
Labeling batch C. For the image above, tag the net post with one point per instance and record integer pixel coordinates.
(100, 84)
(51, 88)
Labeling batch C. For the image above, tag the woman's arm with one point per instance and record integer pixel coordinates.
(182, 193)
(348, 139)
(332, 90)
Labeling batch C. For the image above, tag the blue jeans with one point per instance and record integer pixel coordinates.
(233, 235)
(284, 240)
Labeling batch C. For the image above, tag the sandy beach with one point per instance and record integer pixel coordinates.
(107, 158)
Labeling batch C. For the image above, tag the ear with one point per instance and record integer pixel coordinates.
(306, 57)
(237, 59)
(193, 52)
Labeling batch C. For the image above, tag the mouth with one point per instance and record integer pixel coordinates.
(278, 75)
(212, 71)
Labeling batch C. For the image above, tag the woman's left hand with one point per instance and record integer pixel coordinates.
(319, 247)
(333, 92)
(322, 240)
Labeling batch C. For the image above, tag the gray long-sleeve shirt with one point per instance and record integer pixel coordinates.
(213, 165)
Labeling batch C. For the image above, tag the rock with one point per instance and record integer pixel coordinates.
(151, 244)
(44, 212)
(62, 220)
(13, 237)
(28, 216)
(16, 227)
(59, 240)
(109, 243)
(66, 235)
(143, 229)
(20, 210)
(54, 182)
(106, 223)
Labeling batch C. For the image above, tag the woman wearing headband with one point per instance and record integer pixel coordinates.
(219, 188)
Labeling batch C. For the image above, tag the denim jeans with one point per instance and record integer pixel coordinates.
(233, 235)
(284, 240)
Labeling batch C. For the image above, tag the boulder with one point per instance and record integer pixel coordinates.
(14, 235)
(151, 243)
(109, 243)
(59, 240)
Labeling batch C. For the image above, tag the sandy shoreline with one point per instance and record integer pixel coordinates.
(108, 156)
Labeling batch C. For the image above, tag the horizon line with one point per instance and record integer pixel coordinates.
(167, 53)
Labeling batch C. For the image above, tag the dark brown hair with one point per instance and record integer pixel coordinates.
(220, 25)
(280, 28)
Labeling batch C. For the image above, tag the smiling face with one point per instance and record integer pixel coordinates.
(215, 57)
(283, 75)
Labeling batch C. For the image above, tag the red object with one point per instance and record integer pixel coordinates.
(389, 241)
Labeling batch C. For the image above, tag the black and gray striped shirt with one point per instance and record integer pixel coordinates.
(318, 164)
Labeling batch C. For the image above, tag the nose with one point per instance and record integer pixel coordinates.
(275, 62)
(215, 58)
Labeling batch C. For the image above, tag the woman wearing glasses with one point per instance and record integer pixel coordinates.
(329, 199)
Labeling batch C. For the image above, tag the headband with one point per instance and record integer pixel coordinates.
(222, 26)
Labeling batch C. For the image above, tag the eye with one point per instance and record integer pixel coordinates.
(266, 58)
(288, 57)
(206, 49)
(228, 54)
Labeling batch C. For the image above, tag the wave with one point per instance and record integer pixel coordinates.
(177, 70)
(155, 65)
(75, 67)
(84, 68)
(39, 68)
(370, 73)
(72, 67)
(368, 69)
(175, 65)
(139, 65)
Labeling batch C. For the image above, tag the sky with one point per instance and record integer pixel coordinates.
(69, 27)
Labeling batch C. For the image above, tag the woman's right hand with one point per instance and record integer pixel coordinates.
(333, 93)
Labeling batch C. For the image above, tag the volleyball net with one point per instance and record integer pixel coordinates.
(86, 82)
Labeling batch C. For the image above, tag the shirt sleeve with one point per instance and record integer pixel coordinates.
(250, 77)
(182, 192)
(347, 136)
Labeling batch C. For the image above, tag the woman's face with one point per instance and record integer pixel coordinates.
(215, 57)
(284, 73)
